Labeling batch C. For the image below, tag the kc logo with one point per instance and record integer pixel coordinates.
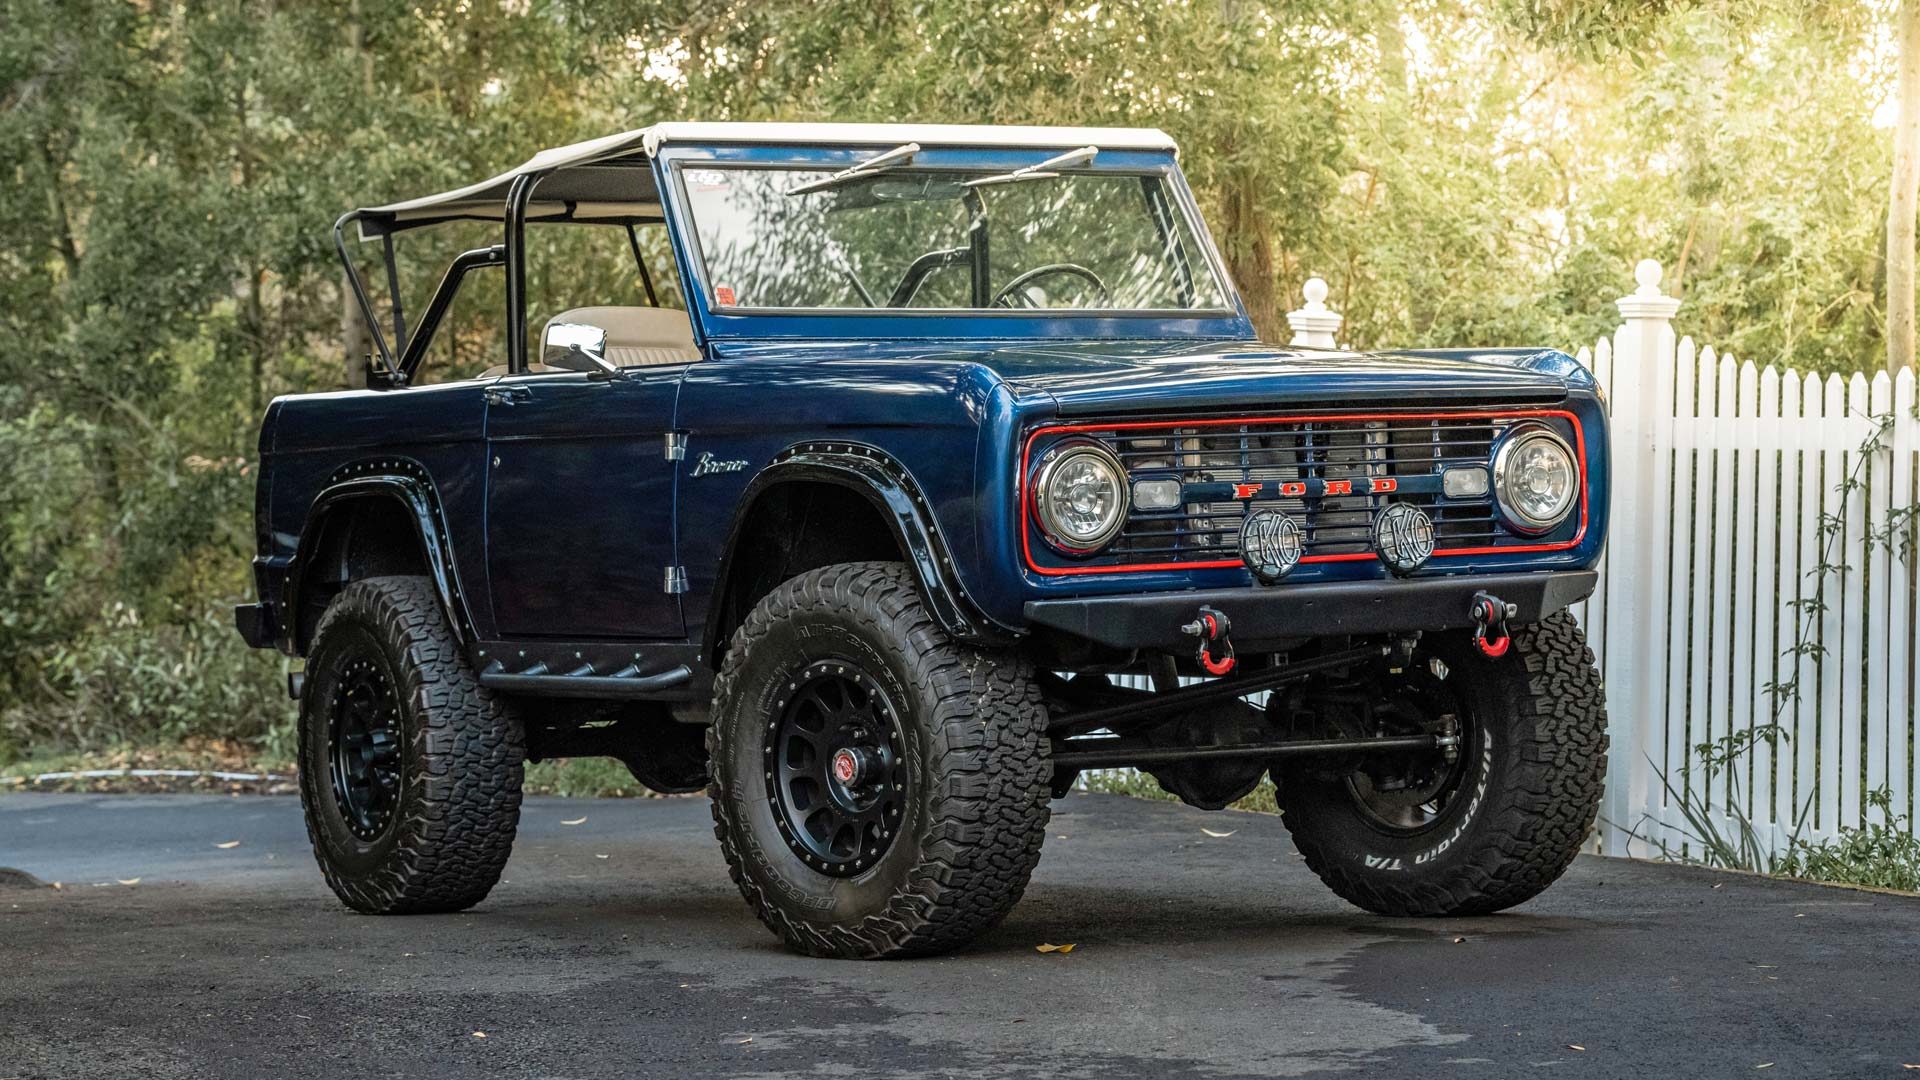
(1271, 544)
(1403, 538)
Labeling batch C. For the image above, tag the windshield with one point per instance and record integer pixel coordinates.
(930, 239)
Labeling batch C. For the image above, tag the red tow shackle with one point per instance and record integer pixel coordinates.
(1211, 627)
(1490, 613)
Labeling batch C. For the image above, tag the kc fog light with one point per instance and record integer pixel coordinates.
(1464, 483)
(1535, 479)
(1156, 494)
(1080, 497)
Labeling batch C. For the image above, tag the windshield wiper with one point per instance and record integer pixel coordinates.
(899, 155)
(1043, 171)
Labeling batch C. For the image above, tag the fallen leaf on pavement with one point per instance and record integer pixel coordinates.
(479, 1034)
(743, 1042)
(1458, 940)
(1576, 1046)
(603, 856)
(1764, 1065)
(228, 846)
(1219, 835)
(575, 821)
(1053, 948)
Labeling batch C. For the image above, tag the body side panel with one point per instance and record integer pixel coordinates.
(436, 430)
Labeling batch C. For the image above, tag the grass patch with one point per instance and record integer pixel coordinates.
(585, 778)
(202, 757)
(574, 778)
(1141, 786)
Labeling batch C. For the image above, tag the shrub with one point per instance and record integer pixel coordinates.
(1883, 854)
(126, 679)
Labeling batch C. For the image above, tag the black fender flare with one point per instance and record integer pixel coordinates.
(886, 484)
(407, 483)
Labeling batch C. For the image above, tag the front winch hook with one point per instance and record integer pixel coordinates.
(1212, 627)
(1489, 612)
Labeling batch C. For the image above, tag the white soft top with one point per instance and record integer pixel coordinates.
(487, 199)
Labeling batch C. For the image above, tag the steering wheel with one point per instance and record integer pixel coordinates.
(1012, 288)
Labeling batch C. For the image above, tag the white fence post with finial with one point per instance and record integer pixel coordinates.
(1315, 324)
(1633, 654)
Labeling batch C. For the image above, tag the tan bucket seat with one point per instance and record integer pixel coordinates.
(636, 336)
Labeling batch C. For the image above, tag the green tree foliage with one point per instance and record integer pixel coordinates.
(1462, 174)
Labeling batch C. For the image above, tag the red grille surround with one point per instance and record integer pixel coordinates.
(1225, 425)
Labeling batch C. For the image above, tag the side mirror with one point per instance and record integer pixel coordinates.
(577, 347)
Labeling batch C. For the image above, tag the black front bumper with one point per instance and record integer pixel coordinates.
(1287, 612)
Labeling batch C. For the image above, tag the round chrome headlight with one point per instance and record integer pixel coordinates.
(1535, 479)
(1080, 496)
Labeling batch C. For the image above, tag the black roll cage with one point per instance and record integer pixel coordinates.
(416, 349)
(385, 370)
(388, 371)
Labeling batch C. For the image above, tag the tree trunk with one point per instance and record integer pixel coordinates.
(1905, 189)
(353, 336)
(357, 41)
(1393, 49)
(1247, 240)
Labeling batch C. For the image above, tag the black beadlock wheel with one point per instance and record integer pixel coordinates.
(363, 744)
(836, 766)
(1487, 827)
(410, 770)
(879, 790)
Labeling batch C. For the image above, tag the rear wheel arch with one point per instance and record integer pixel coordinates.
(820, 504)
(369, 524)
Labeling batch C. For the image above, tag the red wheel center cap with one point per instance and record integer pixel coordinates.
(846, 767)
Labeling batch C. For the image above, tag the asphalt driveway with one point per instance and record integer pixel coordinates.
(617, 947)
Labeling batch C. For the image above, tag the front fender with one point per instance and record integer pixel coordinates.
(887, 485)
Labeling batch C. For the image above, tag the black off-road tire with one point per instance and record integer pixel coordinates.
(976, 755)
(460, 754)
(1536, 758)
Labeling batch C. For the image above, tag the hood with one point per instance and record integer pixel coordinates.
(1118, 377)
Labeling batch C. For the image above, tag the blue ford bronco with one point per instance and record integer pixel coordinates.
(908, 472)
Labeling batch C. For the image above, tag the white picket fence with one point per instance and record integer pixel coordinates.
(1760, 571)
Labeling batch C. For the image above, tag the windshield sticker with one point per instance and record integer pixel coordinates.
(707, 179)
(723, 295)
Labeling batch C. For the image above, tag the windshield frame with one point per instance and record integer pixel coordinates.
(745, 321)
